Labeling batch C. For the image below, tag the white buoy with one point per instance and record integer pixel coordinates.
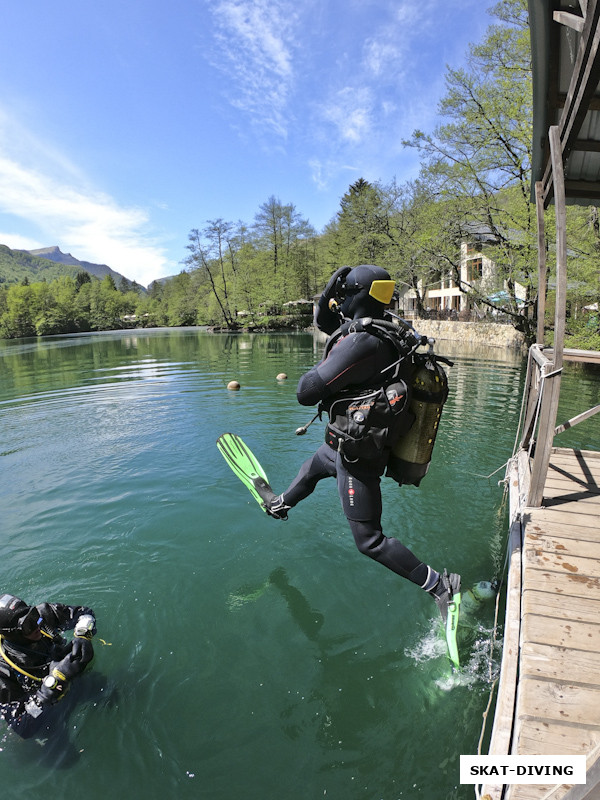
(233, 386)
(282, 376)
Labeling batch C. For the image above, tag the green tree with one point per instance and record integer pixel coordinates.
(211, 255)
(361, 234)
(18, 319)
(81, 278)
(480, 157)
(105, 305)
(280, 236)
(180, 298)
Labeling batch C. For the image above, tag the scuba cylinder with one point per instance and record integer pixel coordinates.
(410, 458)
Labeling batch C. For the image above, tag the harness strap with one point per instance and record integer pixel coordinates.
(15, 666)
(385, 331)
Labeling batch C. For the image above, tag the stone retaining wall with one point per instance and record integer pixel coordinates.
(489, 334)
(484, 333)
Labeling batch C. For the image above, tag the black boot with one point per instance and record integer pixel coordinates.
(272, 503)
(444, 591)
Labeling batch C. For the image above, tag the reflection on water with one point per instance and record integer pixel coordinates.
(248, 657)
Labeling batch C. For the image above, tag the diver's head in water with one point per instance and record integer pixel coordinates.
(366, 291)
(19, 622)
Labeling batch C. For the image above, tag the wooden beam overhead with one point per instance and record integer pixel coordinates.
(584, 81)
(570, 20)
(586, 146)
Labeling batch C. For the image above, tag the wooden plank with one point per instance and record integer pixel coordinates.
(570, 20)
(590, 459)
(561, 607)
(571, 490)
(563, 545)
(567, 532)
(562, 584)
(565, 495)
(584, 636)
(572, 474)
(573, 469)
(551, 738)
(500, 741)
(582, 467)
(535, 791)
(573, 541)
(503, 717)
(563, 516)
(557, 701)
(560, 664)
(574, 565)
(588, 356)
(539, 737)
(570, 452)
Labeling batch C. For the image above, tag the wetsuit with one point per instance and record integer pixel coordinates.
(356, 361)
(36, 658)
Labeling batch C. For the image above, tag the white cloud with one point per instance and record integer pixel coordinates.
(381, 57)
(18, 242)
(53, 198)
(255, 39)
(350, 111)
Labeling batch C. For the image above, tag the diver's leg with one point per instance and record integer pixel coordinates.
(360, 494)
(320, 465)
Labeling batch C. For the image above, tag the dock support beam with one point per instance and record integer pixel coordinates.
(550, 396)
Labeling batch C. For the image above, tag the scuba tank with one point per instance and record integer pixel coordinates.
(410, 457)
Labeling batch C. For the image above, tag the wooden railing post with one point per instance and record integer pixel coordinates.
(551, 392)
(541, 244)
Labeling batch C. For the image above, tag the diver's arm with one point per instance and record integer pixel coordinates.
(26, 714)
(20, 721)
(352, 361)
(58, 616)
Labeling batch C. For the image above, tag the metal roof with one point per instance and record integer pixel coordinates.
(566, 72)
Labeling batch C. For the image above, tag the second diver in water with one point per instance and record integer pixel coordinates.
(356, 372)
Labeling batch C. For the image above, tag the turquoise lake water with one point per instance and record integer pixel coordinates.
(246, 658)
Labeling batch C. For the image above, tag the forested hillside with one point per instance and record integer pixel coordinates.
(18, 265)
(96, 270)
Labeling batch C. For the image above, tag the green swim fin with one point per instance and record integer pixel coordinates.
(244, 464)
(447, 596)
(452, 628)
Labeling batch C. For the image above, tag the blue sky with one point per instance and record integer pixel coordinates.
(126, 123)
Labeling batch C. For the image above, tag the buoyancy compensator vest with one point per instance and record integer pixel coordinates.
(401, 415)
(363, 423)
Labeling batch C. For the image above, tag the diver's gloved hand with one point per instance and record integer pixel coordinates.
(69, 667)
(82, 650)
(53, 688)
(326, 318)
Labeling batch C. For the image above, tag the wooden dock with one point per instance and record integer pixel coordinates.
(549, 697)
